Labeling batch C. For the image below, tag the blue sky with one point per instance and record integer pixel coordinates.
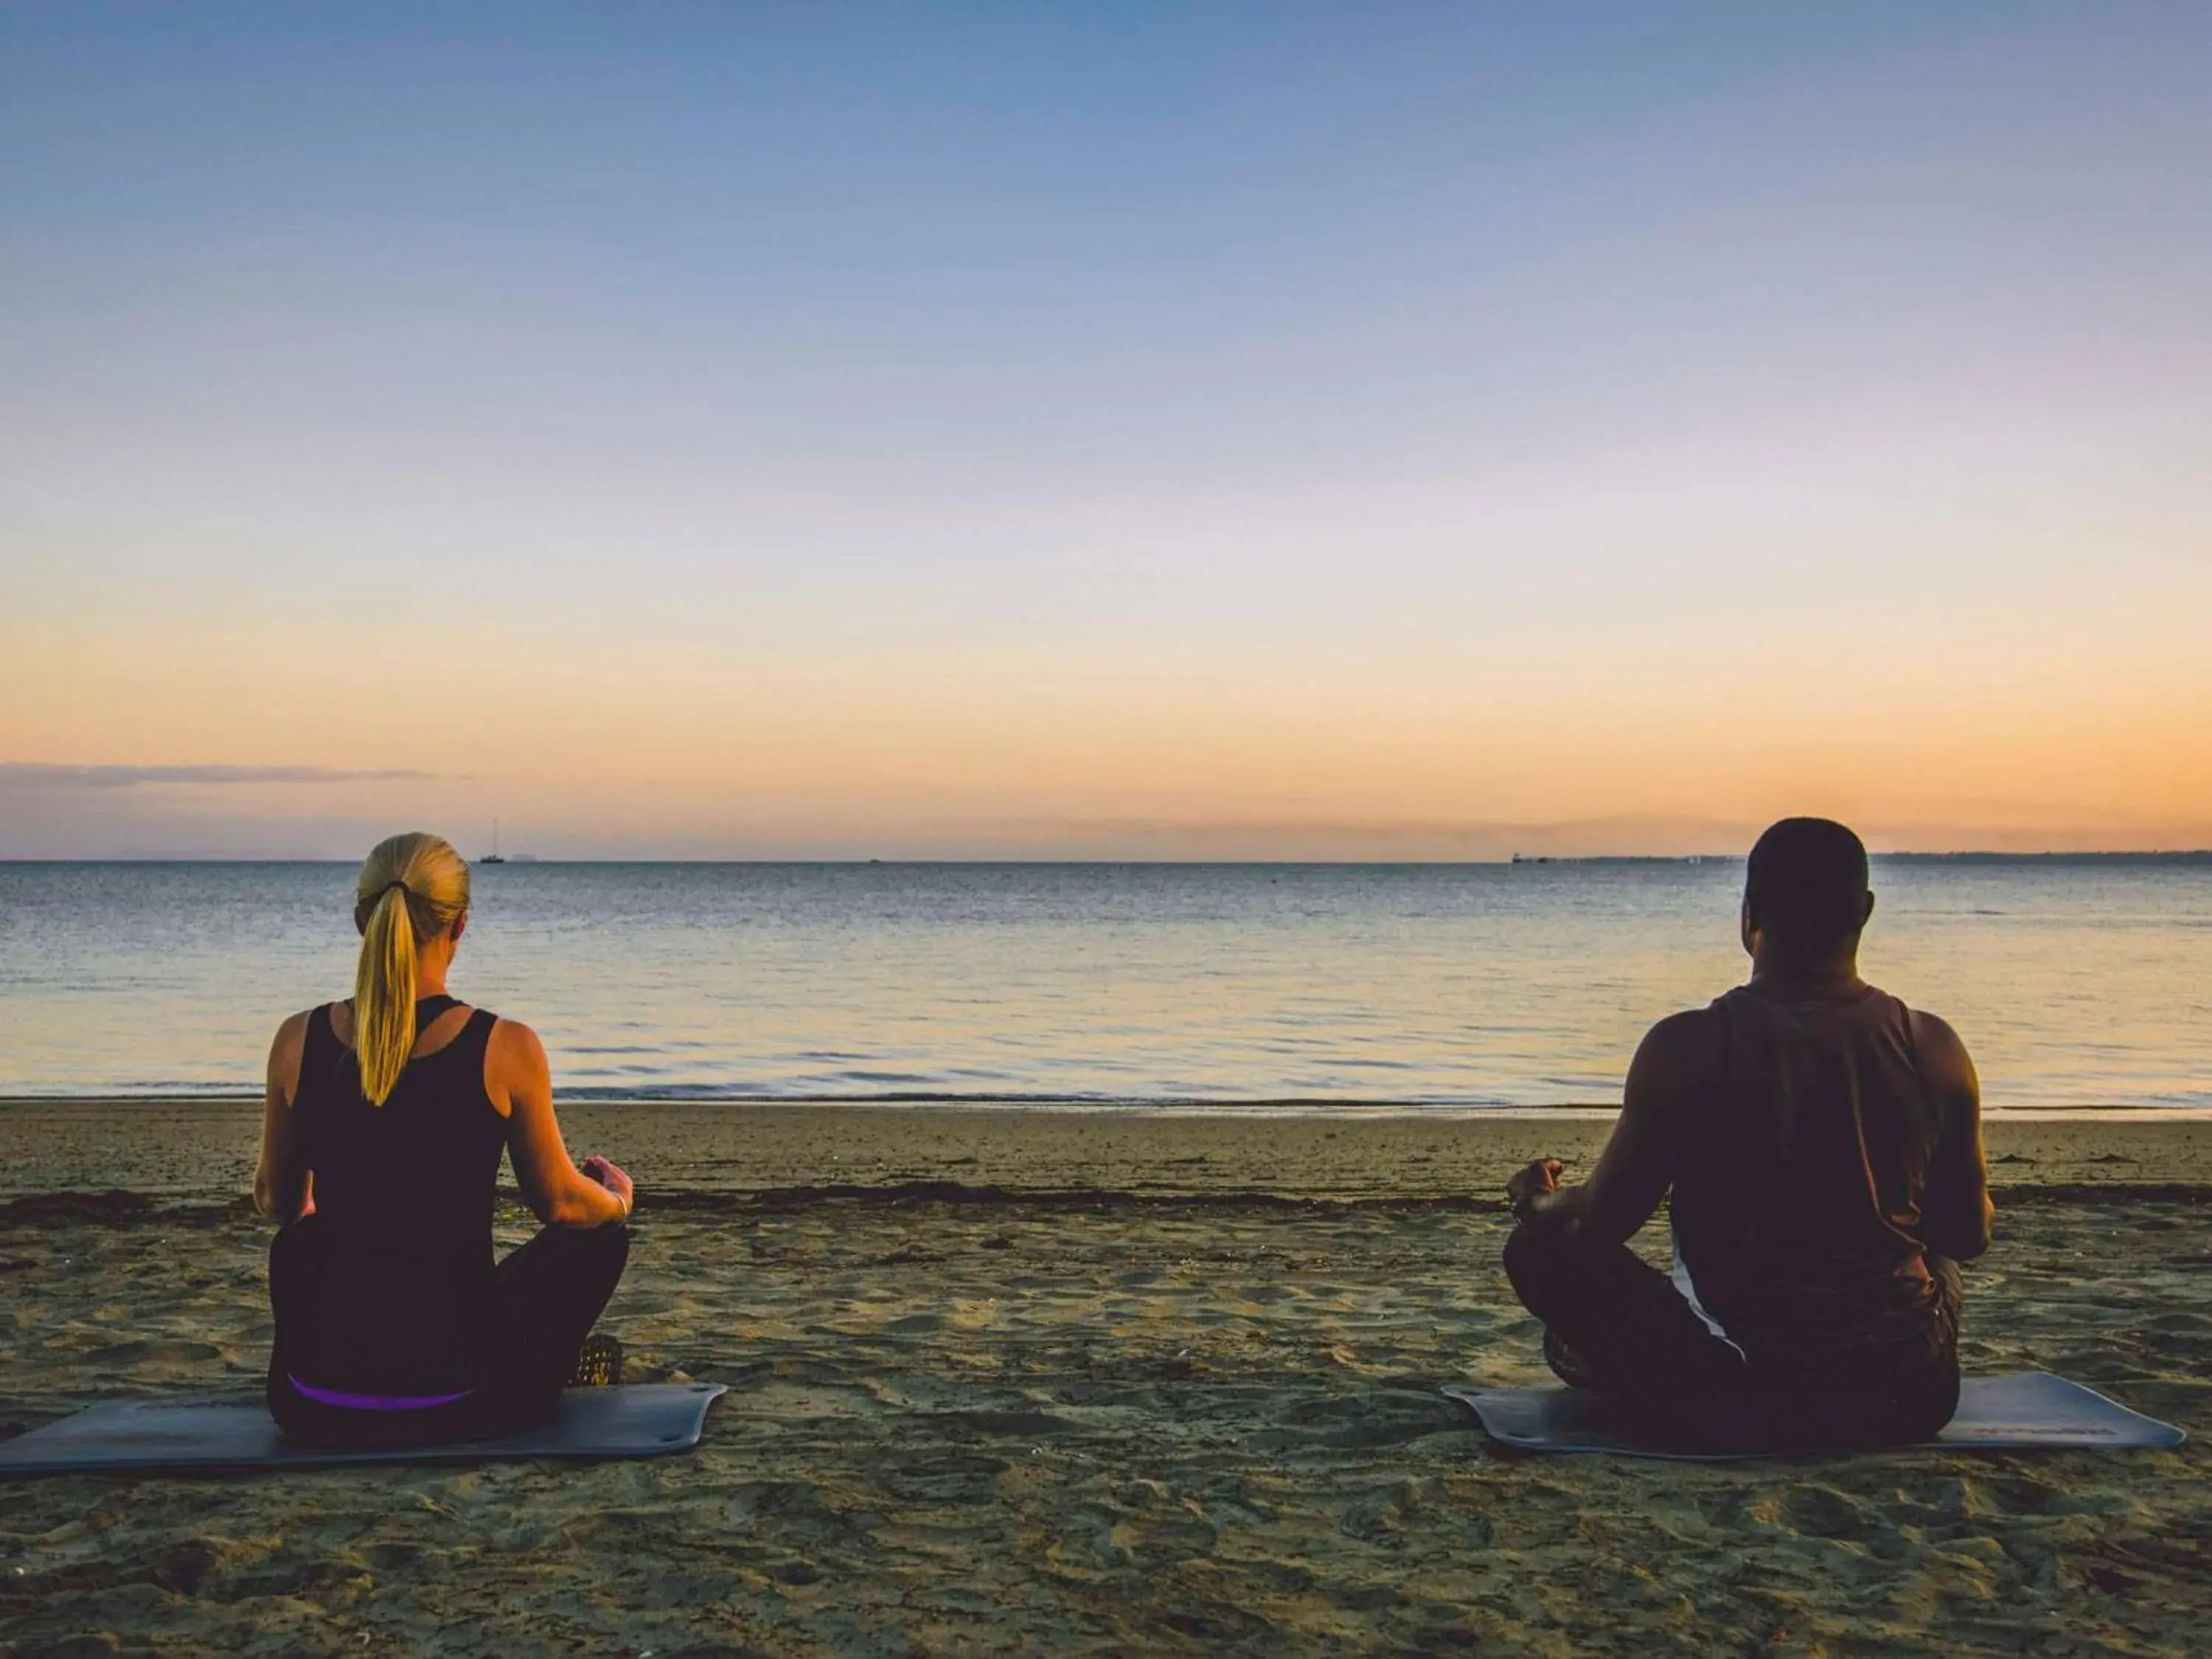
(984, 428)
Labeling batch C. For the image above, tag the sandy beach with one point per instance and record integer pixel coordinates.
(1067, 1381)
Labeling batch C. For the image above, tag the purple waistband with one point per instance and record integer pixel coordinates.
(375, 1402)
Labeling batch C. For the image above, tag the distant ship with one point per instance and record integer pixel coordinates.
(493, 856)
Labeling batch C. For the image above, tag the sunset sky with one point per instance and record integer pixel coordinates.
(1111, 430)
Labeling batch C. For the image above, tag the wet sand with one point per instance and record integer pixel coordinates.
(1082, 1383)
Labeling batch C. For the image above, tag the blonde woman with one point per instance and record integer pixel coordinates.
(386, 1120)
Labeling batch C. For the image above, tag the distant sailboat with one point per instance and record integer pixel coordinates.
(493, 856)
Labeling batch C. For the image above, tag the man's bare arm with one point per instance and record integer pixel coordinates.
(1956, 1212)
(1636, 1169)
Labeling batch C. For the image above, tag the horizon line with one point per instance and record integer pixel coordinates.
(2175, 855)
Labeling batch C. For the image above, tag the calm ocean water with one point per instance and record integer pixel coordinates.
(2076, 983)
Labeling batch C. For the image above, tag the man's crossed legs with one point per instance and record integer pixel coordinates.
(1617, 1326)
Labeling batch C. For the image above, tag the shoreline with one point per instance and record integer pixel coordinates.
(202, 1148)
(1079, 1106)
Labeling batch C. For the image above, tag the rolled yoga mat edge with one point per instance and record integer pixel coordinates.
(2032, 1411)
(235, 1434)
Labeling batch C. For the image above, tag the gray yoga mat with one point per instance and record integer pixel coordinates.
(235, 1432)
(1994, 1413)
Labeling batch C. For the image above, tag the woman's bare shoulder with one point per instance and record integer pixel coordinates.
(515, 1066)
(287, 1049)
(513, 1047)
(292, 1034)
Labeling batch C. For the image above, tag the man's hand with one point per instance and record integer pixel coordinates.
(1541, 1176)
(610, 1176)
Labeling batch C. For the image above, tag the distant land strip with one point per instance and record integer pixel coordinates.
(519, 862)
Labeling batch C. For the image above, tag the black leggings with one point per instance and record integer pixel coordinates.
(1632, 1337)
(545, 1297)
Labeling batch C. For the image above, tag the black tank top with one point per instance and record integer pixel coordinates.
(404, 1193)
(1797, 1199)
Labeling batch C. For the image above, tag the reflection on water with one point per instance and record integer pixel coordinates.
(2074, 984)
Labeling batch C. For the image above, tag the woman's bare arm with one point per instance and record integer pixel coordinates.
(282, 1188)
(521, 1082)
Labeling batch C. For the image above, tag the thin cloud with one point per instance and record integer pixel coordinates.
(39, 774)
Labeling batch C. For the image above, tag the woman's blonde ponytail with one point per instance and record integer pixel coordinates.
(411, 888)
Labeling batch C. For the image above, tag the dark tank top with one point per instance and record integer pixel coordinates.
(403, 1192)
(1796, 1209)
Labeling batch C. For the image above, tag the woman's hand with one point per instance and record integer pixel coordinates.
(611, 1176)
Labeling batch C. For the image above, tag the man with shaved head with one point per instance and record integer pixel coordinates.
(1820, 1144)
